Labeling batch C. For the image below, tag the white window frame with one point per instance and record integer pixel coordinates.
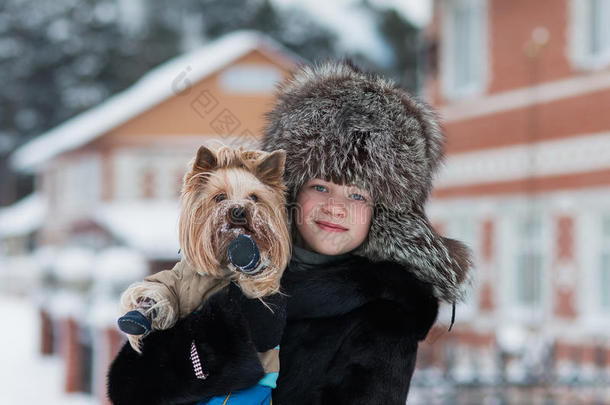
(79, 183)
(131, 162)
(451, 89)
(529, 246)
(250, 78)
(511, 239)
(581, 56)
(125, 173)
(595, 245)
(604, 270)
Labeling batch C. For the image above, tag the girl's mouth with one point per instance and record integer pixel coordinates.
(327, 226)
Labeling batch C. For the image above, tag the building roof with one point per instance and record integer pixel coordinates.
(130, 223)
(153, 88)
(23, 217)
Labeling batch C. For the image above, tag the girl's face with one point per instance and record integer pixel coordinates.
(332, 219)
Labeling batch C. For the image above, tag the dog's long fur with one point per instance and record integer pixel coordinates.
(218, 182)
(204, 230)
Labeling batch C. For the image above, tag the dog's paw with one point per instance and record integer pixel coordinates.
(134, 323)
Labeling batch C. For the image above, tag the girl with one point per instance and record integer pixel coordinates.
(367, 270)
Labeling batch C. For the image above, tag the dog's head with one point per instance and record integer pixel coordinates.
(228, 192)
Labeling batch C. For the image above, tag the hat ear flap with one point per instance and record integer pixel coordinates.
(409, 239)
(461, 255)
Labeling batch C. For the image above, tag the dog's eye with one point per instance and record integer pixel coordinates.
(220, 197)
(253, 197)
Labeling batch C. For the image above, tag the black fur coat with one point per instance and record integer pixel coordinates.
(351, 337)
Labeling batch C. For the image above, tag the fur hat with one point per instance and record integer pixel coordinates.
(347, 126)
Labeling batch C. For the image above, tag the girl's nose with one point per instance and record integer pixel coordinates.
(334, 208)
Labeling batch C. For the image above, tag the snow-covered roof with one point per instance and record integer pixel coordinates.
(74, 263)
(153, 88)
(103, 312)
(22, 217)
(119, 265)
(150, 228)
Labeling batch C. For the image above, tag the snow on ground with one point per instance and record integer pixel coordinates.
(25, 376)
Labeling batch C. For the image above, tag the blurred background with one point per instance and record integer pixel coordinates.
(103, 103)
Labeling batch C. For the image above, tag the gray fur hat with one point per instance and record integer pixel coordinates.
(347, 126)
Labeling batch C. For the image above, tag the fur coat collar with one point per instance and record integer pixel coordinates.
(339, 287)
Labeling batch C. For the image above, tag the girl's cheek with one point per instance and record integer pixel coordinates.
(306, 206)
(361, 214)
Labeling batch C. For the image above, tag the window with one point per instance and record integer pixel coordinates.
(126, 176)
(605, 281)
(599, 31)
(590, 33)
(529, 262)
(594, 259)
(529, 268)
(464, 47)
(604, 276)
(144, 174)
(250, 79)
(148, 183)
(79, 183)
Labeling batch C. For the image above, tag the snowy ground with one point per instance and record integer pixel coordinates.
(26, 377)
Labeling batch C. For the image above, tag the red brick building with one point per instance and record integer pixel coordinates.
(523, 90)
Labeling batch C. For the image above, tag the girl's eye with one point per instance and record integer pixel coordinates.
(220, 197)
(358, 197)
(253, 197)
(319, 188)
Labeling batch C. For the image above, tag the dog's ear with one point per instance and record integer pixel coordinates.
(270, 169)
(205, 161)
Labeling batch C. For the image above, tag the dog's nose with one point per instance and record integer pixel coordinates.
(238, 215)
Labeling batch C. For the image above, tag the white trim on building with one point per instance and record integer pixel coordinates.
(526, 97)
(577, 154)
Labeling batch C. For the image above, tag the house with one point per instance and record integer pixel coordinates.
(109, 179)
(523, 89)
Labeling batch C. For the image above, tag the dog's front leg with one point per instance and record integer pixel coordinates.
(156, 301)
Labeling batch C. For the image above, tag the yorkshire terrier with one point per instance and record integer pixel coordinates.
(232, 228)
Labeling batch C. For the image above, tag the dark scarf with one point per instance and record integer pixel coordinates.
(303, 259)
(320, 286)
